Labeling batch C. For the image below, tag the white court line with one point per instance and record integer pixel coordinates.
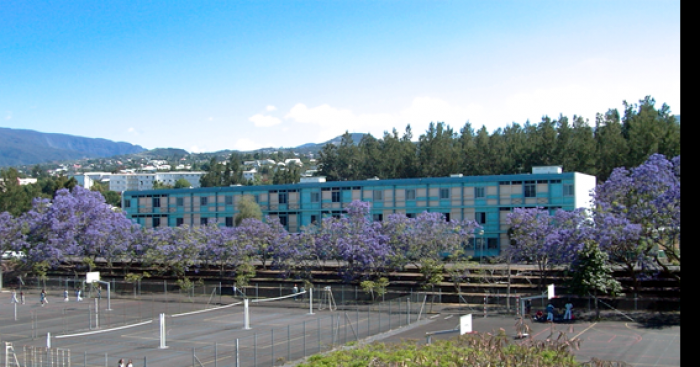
(103, 331)
(207, 310)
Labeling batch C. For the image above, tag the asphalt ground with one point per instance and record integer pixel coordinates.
(280, 331)
(284, 331)
(637, 343)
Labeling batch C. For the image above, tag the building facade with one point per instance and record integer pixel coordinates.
(486, 199)
(144, 181)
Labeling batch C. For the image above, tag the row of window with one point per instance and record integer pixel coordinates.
(530, 191)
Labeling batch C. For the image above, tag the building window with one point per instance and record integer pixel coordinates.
(203, 200)
(180, 201)
(283, 220)
(492, 243)
(127, 203)
(335, 196)
(257, 198)
(568, 190)
(377, 217)
(283, 198)
(228, 200)
(156, 202)
(315, 197)
(530, 189)
(444, 193)
(229, 221)
(314, 219)
(203, 221)
(480, 192)
(480, 217)
(179, 222)
(410, 215)
(410, 194)
(378, 195)
(447, 216)
(156, 222)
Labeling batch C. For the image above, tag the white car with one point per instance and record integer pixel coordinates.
(12, 255)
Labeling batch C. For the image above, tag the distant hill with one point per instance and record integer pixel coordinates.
(23, 147)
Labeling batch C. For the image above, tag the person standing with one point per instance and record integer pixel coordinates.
(65, 295)
(550, 313)
(296, 291)
(129, 364)
(14, 297)
(234, 289)
(568, 314)
(21, 296)
(121, 363)
(99, 292)
(78, 298)
(42, 298)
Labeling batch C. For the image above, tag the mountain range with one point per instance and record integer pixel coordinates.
(19, 147)
(23, 147)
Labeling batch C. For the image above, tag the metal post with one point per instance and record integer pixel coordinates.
(106, 360)
(257, 295)
(238, 357)
(485, 312)
(216, 355)
(145, 362)
(85, 359)
(163, 332)
(272, 346)
(97, 314)
(289, 343)
(369, 320)
(246, 317)
(255, 349)
(408, 311)
(311, 300)
(319, 335)
(389, 314)
(304, 339)
(15, 311)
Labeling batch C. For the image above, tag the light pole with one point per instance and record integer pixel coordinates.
(481, 251)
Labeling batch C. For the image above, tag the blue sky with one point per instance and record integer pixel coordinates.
(213, 75)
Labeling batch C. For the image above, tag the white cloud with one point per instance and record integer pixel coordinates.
(211, 119)
(195, 149)
(271, 108)
(131, 130)
(261, 120)
(246, 144)
(332, 121)
(9, 116)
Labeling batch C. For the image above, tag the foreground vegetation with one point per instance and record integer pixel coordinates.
(468, 350)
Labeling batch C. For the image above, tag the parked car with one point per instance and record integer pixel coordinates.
(7, 255)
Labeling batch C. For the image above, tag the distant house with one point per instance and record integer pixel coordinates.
(250, 175)
(296, 161)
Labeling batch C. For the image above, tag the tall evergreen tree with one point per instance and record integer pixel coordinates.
(649, 131)
(436, 151)
(611, 145)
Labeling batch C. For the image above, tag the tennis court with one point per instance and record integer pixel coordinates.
(198, 335)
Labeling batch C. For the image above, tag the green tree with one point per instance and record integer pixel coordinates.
(328, 162)
(159, 185)
(15, 198)
(649, 131)
(611, 145)
(592, 274)
(247, 208)
(182, 184)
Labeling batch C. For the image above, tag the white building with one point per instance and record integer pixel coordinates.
(144, 181)
(250, 175)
